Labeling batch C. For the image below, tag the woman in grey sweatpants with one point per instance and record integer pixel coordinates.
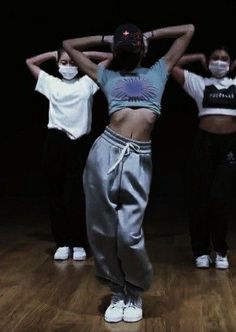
(117, 175)
(117, 196)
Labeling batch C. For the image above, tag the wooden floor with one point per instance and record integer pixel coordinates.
(39, 294)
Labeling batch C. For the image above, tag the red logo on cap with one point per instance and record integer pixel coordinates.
(125, 33)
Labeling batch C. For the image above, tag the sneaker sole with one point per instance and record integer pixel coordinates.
(113, 320)
(60, 259)
(222, 267)
(80, 259)
(132, 320)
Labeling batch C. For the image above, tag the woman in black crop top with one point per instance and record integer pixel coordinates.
(213, 161)
(117, 176)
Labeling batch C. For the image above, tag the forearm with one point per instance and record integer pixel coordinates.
(169, 32)
(83, 43)
(190, 58)
(233, 66)
(178, 71)
(75, 48)
(38, 59)
(100, 56)
(34, 63)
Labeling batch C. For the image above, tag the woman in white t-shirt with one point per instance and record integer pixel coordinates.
(69, 121)
(213, 160)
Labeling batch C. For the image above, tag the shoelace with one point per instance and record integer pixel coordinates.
(204, 257)
(125, 151)
(79, 249)
(221, 258)
(117, 300)
(134, 302)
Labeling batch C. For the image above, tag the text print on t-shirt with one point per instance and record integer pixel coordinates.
(219, 98)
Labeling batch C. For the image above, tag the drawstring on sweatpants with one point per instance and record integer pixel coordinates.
(124, 152)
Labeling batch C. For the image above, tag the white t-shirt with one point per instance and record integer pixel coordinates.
(70, 103)
(212, 95)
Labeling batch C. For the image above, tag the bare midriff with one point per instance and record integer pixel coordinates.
(132, 123)
(218, 124)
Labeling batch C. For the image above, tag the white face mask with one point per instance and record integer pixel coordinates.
(218, 68)
(68, 72)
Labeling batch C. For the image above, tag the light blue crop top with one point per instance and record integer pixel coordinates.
(143, 87)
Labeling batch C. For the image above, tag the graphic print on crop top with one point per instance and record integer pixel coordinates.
(219, 98)
(134, 89)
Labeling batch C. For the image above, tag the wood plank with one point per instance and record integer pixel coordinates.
(39, 294)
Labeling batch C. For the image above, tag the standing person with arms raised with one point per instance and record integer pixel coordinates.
(117, 175)
(212, 171)
(70, 103)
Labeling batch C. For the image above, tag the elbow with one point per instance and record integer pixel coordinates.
(66, 45)
(28, 62)
(110, 56)
(189, 31)
(174, 71)
(191, 28)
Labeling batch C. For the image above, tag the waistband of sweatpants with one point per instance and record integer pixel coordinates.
(203, 132)
(120, 141)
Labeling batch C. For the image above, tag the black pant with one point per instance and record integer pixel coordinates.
(63, 163)
(212, 175)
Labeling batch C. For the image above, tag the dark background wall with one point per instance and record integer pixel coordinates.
(34, 28)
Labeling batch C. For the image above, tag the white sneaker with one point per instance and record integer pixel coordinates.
(133, 311)
(62, 253)
(203, 262)
(221, 262)
(79, 254)
(114, 312)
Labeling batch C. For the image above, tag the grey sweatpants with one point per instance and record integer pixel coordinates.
(117, 181)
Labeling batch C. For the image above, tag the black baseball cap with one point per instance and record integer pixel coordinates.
(128, 36)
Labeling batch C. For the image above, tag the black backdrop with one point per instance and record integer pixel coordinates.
(34, 28)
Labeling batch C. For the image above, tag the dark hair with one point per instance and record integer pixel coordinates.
(60, 51)
(128, 36)
(218, 47)
(128, 46)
